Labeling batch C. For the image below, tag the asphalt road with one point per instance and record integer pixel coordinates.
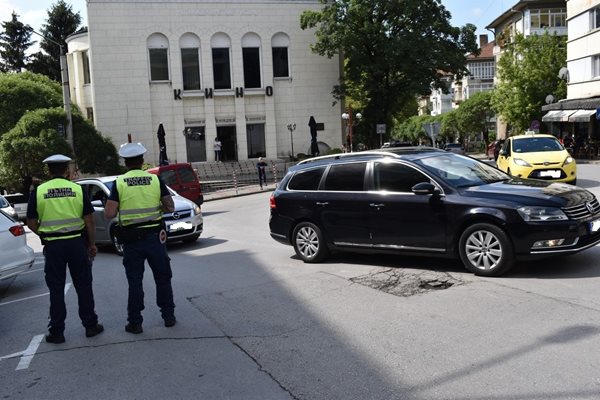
(254, 322)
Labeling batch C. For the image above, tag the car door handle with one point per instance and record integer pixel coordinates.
(322, 204)
(378, 206)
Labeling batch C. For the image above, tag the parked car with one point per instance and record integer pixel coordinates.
(18, 201)
(181, 178)
(7, 208)
(184, 224)
(396, 143)
(455, 148)
(537, 156)
(15, 256)
(429, 202)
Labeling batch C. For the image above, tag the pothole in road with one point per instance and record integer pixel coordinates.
(405, 283)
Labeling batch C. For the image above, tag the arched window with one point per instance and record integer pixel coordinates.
(189, 45)
(281, 65)
(158, 55)
(221, 46)
(251, 57)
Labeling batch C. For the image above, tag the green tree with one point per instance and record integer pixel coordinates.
(528, 72)
(36, 136)
(412, 129)
(475, 114)
(25, 91)
(450, 128)
(15, 39)
(393, 51)
(61, 23)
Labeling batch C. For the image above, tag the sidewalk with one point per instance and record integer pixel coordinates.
(242, 191)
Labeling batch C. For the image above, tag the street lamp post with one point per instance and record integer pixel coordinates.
(64, 74)
(292, 128)
(350, 123)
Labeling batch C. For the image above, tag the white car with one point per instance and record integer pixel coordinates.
(15, 255)
(19, 203)
(7, 208)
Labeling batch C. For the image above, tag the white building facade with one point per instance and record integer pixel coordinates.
(240, 70)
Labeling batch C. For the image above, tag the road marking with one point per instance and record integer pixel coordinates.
(29, 352)
(67, 287)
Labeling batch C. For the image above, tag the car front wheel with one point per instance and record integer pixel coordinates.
(486, 250)
(309, 243)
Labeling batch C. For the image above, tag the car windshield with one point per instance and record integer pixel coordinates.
(536, 144)
(459, 171)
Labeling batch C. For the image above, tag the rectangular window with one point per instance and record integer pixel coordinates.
(190, 65)
(251, 56)
(346, 177)
(85, 61)
(394, 177)
(548, 18)
(221, 68)
(159, 65)
(306, 180)
(90, 113)
(596, 66)
(594, 18)
(280, 62)
(255, 135)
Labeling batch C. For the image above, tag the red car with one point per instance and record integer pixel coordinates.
(494, 148)
(182, 179)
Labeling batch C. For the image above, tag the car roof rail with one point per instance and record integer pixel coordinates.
(339, 156)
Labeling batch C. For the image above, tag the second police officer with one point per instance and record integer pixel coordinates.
(139, 198)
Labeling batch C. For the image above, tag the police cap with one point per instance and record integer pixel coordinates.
(56, 159)
(129, 150)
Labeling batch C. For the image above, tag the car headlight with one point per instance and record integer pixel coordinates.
(197, 210)
(530, 213)
(521, 163)
(568, 160)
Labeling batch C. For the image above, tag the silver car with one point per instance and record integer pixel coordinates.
(7, 208)
(184, 224)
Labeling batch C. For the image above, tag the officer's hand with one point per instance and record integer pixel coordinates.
(92, 250)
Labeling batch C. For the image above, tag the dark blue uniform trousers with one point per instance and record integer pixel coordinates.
(134, 255)
(72, 252)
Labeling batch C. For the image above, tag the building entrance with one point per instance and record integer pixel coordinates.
(195, 144)
(227, 136)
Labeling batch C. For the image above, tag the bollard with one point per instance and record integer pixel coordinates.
(274, 172)
(235, 185)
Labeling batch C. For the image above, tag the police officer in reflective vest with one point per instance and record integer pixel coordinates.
(59, 212)
(139, 198)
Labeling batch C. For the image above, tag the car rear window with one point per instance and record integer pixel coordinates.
(187, 175)
(15, 198)
(346, 177)
(306, 180)
(169, 177)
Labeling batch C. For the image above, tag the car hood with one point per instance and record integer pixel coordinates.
(531, 192)
(542, 157)
(182, 204)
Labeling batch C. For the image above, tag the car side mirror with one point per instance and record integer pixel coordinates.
(425, 188)
(502, 153)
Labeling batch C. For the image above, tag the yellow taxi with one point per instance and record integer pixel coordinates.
(537, 156)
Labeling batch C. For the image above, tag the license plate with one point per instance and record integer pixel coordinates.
(595, 225)
(180, 226)
(551, 173)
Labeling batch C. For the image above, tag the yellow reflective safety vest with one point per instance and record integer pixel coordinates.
(60, 209)
(139, 199)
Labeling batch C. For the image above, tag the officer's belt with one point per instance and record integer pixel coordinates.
(59, 234)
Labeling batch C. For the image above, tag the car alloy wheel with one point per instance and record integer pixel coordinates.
(486, 250)
(309, 243)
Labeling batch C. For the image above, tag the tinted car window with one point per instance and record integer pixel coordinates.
(346, 177)
(395, 177)
(169, 177)
(306, 180)
(187, 175)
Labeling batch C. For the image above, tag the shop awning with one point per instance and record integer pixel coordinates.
(582, 116)
(557, 115)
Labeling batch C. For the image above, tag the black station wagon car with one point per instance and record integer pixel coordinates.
(423, 201)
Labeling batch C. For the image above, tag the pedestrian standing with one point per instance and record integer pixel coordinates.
(217, 147)
(262, 174)
(139, 198)
(59, 212)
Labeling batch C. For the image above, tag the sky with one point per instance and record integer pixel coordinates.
(478, 12)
